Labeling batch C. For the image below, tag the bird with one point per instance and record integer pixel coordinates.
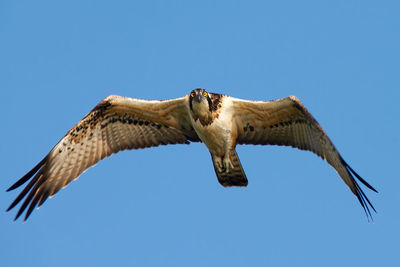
(219, 121)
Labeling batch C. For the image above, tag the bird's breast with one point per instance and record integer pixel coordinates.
(216, 135)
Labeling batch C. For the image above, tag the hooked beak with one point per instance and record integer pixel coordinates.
(197, 98)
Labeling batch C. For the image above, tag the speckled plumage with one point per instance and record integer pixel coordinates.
(219, 121)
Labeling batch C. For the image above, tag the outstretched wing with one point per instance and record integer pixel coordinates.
(115, 124)
(287, 122)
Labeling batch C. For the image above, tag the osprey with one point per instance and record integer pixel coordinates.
(219, 121)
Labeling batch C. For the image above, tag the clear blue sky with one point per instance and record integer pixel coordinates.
(163, 206)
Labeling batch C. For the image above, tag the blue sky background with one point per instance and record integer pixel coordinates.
(163, 206)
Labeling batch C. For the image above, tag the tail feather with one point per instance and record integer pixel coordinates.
(236, 177)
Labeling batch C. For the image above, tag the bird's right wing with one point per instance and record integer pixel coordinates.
(115, 124)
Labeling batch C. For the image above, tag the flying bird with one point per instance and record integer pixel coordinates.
(219, 121)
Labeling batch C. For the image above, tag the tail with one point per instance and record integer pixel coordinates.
(236, 177)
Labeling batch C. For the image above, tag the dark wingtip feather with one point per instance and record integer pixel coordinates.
(362, 198)
(27, 176)
(365, 203)
(31, 208)
(23, 192)
(34, 183)
(359, 178)
(30, 198)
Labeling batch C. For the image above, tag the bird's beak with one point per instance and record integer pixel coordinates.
(197, 98)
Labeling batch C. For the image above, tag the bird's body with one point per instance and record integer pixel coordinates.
(216, 135)
(217, 131)
(219, 121)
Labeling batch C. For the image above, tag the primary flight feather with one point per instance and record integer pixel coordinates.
(219, 121)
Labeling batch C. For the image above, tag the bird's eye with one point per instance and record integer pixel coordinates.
(204, 93)
(192, 94)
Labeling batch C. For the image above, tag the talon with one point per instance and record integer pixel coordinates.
(228, 164)
(223, 164)
(219, 165)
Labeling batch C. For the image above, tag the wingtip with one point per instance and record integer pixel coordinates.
(362, 198)
(358, 176)
(18, 215)
(12, 205)
(14, 186)
(365, 203)
(33, 182)
(27, 176)
(27, 216)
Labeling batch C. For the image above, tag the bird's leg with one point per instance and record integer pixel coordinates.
(223, 164)
(228, 165)
(218, 163)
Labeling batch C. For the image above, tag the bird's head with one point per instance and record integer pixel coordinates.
(201, 106)
(200, 101)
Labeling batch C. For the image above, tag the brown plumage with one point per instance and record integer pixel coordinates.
(120, 123)
(287, 122)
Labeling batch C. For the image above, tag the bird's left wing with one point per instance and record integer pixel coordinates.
(115, 124)
(287, 122)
